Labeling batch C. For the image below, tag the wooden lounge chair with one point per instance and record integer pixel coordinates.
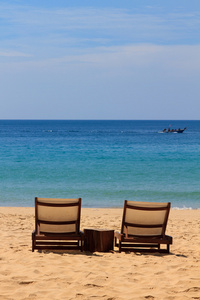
(143, 227)
(57, 224)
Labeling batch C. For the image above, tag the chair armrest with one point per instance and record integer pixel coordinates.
(118, 235)
(33, 234)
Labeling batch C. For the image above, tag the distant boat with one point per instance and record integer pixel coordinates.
(173, 130)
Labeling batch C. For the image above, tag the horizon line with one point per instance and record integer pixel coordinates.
(98, 119)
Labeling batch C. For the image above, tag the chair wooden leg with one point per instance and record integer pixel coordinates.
(81, 245)
(168, 248)
(33, 243)
(119, 246)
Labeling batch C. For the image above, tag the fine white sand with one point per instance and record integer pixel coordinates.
(74, 275)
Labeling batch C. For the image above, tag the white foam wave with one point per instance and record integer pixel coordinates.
(183, 208)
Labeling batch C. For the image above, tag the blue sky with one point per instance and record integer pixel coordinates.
(100, 59)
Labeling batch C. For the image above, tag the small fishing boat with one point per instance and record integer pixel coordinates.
(173, 130)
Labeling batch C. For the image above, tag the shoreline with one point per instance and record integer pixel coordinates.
(109, 207)
(119, 276)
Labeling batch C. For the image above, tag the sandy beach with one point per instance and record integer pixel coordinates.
(74, 275)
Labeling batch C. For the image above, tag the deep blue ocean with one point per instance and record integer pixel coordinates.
(103, 162)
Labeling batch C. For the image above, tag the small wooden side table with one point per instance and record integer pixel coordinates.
(100, 240)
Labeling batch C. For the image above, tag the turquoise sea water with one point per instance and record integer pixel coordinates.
(103, 162)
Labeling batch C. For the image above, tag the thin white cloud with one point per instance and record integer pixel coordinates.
(77, 27)
(179, 60)
(135, 81)
(13, 54)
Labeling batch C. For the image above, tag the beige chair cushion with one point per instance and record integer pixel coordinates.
(61, 214)
(144, 217)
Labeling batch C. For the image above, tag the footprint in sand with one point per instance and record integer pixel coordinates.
(193, 289)
(26, 282)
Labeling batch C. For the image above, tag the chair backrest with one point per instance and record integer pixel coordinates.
(57, 215)
(145, 219)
